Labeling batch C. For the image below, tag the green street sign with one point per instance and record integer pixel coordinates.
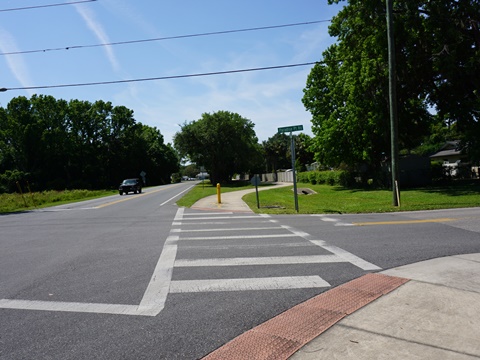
(290, 129)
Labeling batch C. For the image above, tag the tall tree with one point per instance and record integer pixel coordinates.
(22, 134)
(49, 116)
(151, 155)
(454, 28)
(277, 152)
(436, 53)
(56, 145)
(304, 154)
(224, 142)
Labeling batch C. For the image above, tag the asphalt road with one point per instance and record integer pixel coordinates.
(135, 277)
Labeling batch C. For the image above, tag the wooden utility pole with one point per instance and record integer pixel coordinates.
(392, 91)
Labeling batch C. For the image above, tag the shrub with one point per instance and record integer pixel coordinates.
(329, 177)
(176, 178)
(8, 180)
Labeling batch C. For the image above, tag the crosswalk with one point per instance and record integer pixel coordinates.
(218, 240)
(207, 252)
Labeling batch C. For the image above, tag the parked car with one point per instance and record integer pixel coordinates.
(130, 185)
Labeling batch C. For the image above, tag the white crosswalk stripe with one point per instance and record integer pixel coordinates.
(271, 283)
(183, 227)
(278, 260)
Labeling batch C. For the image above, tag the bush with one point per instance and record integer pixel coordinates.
(8, 180)
(437, 171)
(329, 177)
(176, 178)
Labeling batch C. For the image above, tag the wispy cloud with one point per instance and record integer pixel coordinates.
(126, 11)
(270, 100)
(310, 45)
(92, 23)
(15, 63)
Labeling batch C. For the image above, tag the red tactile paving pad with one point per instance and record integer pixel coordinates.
(280, 337)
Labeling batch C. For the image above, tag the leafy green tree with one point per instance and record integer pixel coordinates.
(437, 52)
(56, 144)
(190, 170)
(152, 156)
(49, 117)
(224, 142)
(277, 152)
(21, 135)
(454, 28)
(7, 157)
(304, 154)
(79, 137)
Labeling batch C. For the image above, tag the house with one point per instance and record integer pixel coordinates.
(454, 160)
(449, 153)
(203, 176)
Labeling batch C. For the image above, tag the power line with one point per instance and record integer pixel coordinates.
(45, 6)
(159, 78)
(165, 38)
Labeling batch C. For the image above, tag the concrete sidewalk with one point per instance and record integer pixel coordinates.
(435, 315)
(426, 310)
(232, 201)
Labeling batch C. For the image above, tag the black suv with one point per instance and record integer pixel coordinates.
(130, 185)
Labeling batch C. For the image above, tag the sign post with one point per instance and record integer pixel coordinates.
(255, 181)
(291, 129)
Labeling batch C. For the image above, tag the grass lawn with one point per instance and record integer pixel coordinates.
(28, 201)
(339, 200)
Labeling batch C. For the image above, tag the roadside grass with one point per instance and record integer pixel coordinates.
(16, 202)
(28, 201)
(339, 200)
(327, 200)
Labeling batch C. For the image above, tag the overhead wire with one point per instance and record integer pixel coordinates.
(159, 78)
(160, 39)
(47, 5)
(164, 38)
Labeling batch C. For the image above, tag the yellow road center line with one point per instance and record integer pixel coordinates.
(403, 222)
(127, 198)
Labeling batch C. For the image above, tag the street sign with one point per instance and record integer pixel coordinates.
(290, 128)
(255, 180)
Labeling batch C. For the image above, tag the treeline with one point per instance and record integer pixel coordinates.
(54, 145)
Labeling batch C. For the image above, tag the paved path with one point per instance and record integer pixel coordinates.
(231, 201)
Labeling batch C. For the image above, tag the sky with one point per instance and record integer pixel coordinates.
(54, 47)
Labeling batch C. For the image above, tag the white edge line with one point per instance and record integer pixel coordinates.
(115, 309)
(180, 193)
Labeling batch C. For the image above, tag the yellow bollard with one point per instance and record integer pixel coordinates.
(219, 195)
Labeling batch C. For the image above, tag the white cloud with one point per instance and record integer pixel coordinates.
(15, 63)
(92, 23)
(312, 43)
(268, 101)
(125, 10)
